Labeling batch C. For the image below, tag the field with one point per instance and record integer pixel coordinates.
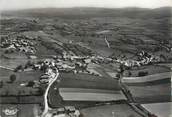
(20, 76)
(129, 32)
(87, 81)
(110, 111)
(74, 85)
(117, 34)
(161, 109)
(152, 93)
(15, 89)
(150, 69)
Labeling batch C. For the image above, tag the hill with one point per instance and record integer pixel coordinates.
(85, 12)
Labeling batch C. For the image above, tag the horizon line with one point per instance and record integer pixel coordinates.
(18, 9)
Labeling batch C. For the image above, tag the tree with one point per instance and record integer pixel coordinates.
(129, 73)
(142, 73)
(44, 67)
(12, 78)
(20, 67)
(1, 84)
(118, 75)
(31, 84)
(121, 68)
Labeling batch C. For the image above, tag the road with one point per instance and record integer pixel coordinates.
(51, 81)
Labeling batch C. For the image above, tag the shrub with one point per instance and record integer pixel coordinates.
(12, 78)
(142, 73)
(20, 67)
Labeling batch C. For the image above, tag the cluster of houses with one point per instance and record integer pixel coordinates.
(144, 58)
(66, 63)
(67, 111)
(17, 44)
(46, 77)
(74, 64)
(81, 64)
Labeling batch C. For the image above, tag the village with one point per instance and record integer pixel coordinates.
(84, 64)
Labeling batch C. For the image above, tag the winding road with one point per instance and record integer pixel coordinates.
(51, 81)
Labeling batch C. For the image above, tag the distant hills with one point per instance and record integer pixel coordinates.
(86, 12)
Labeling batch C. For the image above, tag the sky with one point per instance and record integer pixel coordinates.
(24, 4)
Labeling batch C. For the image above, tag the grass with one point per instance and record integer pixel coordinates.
(131, 31)
(88, 81)
(155, 93)
(25, 110)
(151, 69)
(20, 76)
(69, 80)
(119, 110)
(14, 88)
(21, 100)
(4, 73)
(160, 109)
(28, 75)
(12, 63)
